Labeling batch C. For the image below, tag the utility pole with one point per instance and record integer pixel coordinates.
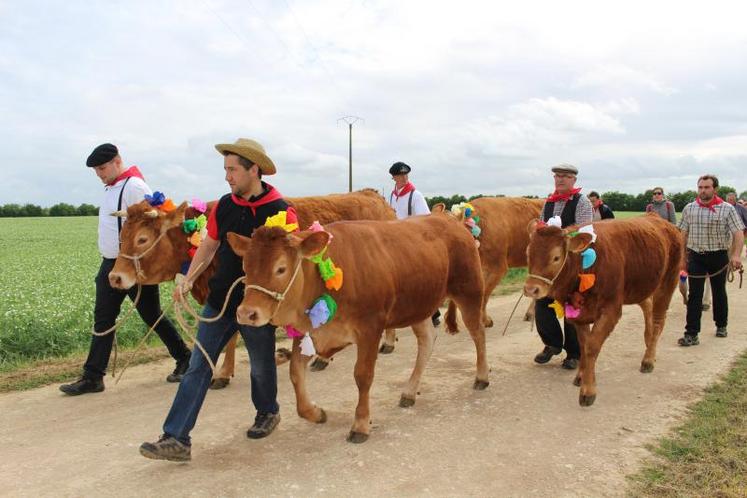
(350, 120)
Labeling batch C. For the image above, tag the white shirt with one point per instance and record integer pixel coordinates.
(419, 206)
(108, 233)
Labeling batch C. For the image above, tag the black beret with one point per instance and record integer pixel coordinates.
(399, 168)
(102, 154)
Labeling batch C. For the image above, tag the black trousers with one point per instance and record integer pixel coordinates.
(106, 310)
(549, 329)
(700, 264)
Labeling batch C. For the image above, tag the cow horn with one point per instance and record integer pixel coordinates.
(119, 213)
(151, 214)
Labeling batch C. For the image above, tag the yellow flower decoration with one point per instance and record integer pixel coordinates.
(558, 308)
(279, 220)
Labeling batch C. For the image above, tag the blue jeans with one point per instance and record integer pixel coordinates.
(260, 343)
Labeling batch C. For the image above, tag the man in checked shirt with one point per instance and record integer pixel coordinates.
(714, 235)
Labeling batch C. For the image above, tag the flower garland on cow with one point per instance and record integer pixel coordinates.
(324, 308)
(572, 307)
(467, 213)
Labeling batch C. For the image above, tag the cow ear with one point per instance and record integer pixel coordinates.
(308, 243)
(579, 242)
(174, 218)
(532, 226)
(438, 208)
(239, 244)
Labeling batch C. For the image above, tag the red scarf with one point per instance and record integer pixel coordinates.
(409, 187)
(555, 197)
(715, 201)
(131, 171)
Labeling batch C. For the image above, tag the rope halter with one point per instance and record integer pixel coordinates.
(549, 281)
(137, 257)
(277, 296)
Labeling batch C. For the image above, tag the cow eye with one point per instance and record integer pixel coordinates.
(556, 259)
(142, 240)
(280, 270)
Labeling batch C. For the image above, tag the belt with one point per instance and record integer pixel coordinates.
(703, 253)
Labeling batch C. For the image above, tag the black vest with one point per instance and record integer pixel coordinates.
(567, 216)
(232, 217)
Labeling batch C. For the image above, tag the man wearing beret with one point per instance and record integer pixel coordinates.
(573, 208)
(246, 208)
(123, 188)
(407, 201)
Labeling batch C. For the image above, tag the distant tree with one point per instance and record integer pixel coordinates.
(476, 197)
(87, 210)
(743, 195)
(725, 189)
(618, 201)
(10, 211)
(432, 201)
(32, 210)
(681, 199)
(455, 199)
(63, 209)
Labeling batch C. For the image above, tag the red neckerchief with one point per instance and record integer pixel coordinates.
(555, 197)
(268, 195)
(131, 171)
(715, 201)
(409, 187)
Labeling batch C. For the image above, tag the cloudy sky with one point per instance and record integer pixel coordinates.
(478, 97)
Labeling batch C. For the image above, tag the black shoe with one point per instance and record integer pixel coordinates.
(546, 354)
(570, 363)
(688, 340)
(167, 448)
(83, 386)
(179, 371)
(721, 332)
(264, 424)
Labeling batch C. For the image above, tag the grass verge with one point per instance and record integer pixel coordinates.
(707, 454)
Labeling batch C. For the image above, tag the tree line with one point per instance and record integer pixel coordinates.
(617, 201)
(61, 209)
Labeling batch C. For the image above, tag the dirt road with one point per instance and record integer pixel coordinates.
(524, 435)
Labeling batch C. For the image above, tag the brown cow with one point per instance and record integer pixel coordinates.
(637, 262)
(503, 243)
(165, 261)
(395, 274)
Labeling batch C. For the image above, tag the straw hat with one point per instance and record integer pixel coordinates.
(251, 150)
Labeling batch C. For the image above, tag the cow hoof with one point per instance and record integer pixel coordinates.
(386, 349)
(357, 437)
(480, 385)
(219, 383)
(452, 330)
(488, 322)
(585, 400)
(406, 401)
(647, 367)
(322, 417)
(577, 381)
(282, 355)
(318, 364)
(528, 317)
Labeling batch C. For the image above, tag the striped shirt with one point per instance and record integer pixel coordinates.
(584, 211)
(710, 230)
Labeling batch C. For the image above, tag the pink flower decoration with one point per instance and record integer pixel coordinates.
(199, 205)
(317, 227)
(293, 332)
(571, 311)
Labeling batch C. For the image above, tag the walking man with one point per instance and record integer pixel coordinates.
(714, 235)
(573, 208)
(123, 188)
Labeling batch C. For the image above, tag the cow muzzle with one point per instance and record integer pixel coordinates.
(535, 290)
(119, 280)
(251, 315)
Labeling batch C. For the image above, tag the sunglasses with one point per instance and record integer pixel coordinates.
(658, 193)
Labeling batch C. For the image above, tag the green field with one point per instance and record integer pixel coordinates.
(47, 289)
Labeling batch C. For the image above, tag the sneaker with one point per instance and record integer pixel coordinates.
(167, 448)
(570, 363)
(181, 368)
(721, 332)
(264, 424)
(83, 386)
(546, 354)
(688, 340)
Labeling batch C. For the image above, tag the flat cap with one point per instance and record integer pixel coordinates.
(399, 168)
(101, 155)
(565, 168)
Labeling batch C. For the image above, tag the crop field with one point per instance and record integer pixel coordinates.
(47, 289)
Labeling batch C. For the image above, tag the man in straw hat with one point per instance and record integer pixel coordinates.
(573, 208)
(250, 202)
(123, 188)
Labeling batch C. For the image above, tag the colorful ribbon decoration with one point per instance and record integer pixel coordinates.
(280, 220)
